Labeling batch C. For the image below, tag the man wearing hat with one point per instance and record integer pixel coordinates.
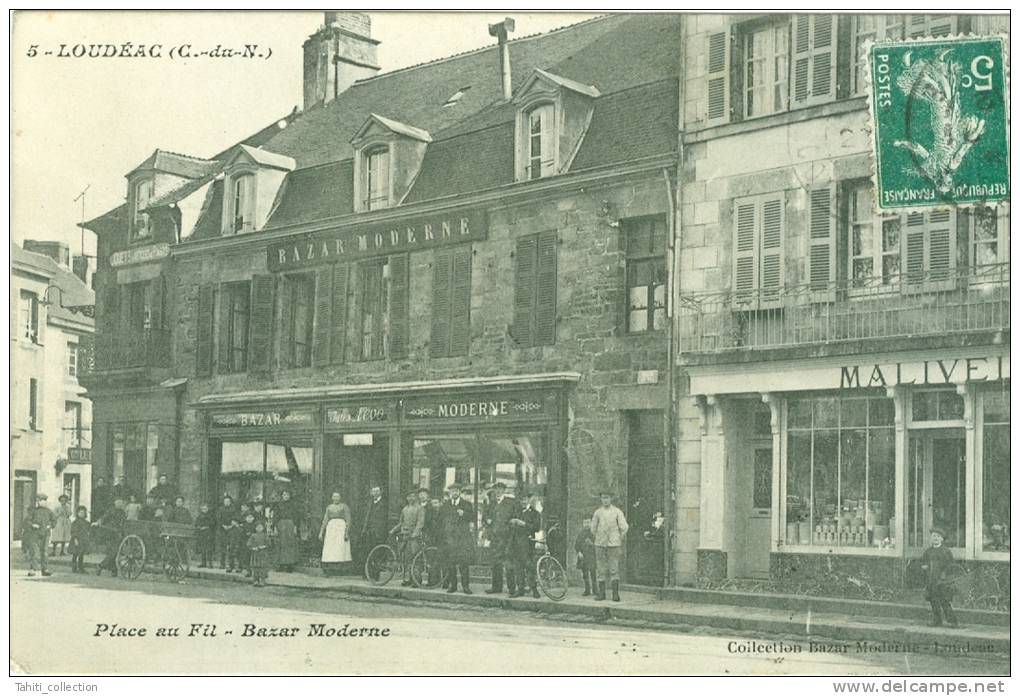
(936, 562)
(458, 538)
(38, 523)
(504, 508)
(608, 526)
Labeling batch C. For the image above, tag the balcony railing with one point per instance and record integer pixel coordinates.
(903, 306)
(145, 348)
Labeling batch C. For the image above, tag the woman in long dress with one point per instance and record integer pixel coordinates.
(61, 533)
(335, 536)
(285, 519)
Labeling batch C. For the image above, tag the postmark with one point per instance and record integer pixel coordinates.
(940, 122)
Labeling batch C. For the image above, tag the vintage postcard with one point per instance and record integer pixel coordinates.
(510, 343)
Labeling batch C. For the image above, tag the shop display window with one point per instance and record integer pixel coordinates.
(263, 469)
(840, 476)
(995, 475)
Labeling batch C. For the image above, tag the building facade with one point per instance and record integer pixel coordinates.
(50, 414)
(846, 374)
(403, 290)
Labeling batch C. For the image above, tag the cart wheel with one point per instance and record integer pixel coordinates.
(131, 556)
(551, 578)
(381, 565)
(175, 561)
(426, 570)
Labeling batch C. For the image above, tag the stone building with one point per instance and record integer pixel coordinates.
(50, 415)
(453, 272)
(846, 374)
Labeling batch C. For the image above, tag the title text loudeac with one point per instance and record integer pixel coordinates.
(377, 240)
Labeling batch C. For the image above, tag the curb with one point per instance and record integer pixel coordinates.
(796, 627)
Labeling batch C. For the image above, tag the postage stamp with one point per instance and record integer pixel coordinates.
(940, 122)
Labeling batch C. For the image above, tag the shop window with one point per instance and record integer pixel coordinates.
(645, 240)
(134, 449)
(890, 27)
(841, 468)
(534, 309)
(264, 468)
(29, 317)
(235, 312)
(478, 462)
(995, 477)
(375, 302)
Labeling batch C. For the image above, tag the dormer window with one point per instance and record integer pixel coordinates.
(540, 147)
(243, 210)
(144, 191)
(377, 178)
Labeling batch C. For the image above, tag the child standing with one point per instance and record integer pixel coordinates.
(205, 535)
(936, 561)
(60, 535)
(247, 529)
(258, 546)
(585, 548)
(81, 530)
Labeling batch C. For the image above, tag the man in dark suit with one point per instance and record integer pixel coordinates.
(164, 492)
(102, 498)
(503, 509)
(112, 527)
(458, 539)
(374, 526)
(523, 528)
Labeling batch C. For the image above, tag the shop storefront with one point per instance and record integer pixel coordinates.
(869, 458)
(423, 436)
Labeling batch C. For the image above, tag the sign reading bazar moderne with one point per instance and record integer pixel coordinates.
(377, 239)
(485, 407)
(940, 122)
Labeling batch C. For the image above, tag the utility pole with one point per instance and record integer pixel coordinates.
(81, 196)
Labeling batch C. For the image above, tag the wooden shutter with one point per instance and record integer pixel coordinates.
(460, 301)
(399, 301)
(223, 359)
(930, 25)
(524, 290)
(338, 340)
(822, 242)
(442, 280)
(745, 250)
(814, 59)
(545, 288)
(285, 356)
(156, 299)
(260, 329)
(718, 77)
(913, 248)
(323, 326)
(942, 246)
(772, 256)
(204, 331)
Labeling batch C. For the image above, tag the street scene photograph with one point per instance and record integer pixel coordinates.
(510, 343)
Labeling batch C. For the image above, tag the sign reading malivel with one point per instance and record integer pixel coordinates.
(940, 122)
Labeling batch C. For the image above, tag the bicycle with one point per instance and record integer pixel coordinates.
(552, 579)
(384, 561)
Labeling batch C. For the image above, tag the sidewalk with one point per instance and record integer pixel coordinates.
(883, 624)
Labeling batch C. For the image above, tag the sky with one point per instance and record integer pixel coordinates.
(86, 122)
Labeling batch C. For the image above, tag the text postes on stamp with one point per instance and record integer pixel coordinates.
(940, 122)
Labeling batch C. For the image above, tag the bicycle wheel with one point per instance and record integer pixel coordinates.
(175, 560)
(551, 578)
(426, 569)
(131, 556)
(381, 565)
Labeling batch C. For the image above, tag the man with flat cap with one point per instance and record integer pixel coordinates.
(504, 508)
(609, 527)
(458, 538)
(38, 523)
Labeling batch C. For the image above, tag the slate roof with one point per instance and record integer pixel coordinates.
(210, 221)
(73, 292)
(176, 163)
(315, 193)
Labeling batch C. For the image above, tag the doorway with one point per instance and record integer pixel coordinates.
(937, 487)
(353, 463)
(645, 484)
(24, 496)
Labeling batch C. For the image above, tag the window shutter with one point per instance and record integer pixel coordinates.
(204, 332)
(814, 59)
(260, 330)
(156, 303)
(772, 225)
(524, 290)
(822, 242)
(460, 305)
(338, 318)
(223, 361)
(941, 245)
(913, 252)
(442, 278)
(323, 328)
(399, 320)
(718, 77)
(545, 285)
(745, 250)
(285, 357)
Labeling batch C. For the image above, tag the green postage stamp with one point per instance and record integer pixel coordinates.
(940, 122)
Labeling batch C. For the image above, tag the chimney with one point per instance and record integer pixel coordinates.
(58, 251)
(500, 31)
(341, 52)
(80, 267)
